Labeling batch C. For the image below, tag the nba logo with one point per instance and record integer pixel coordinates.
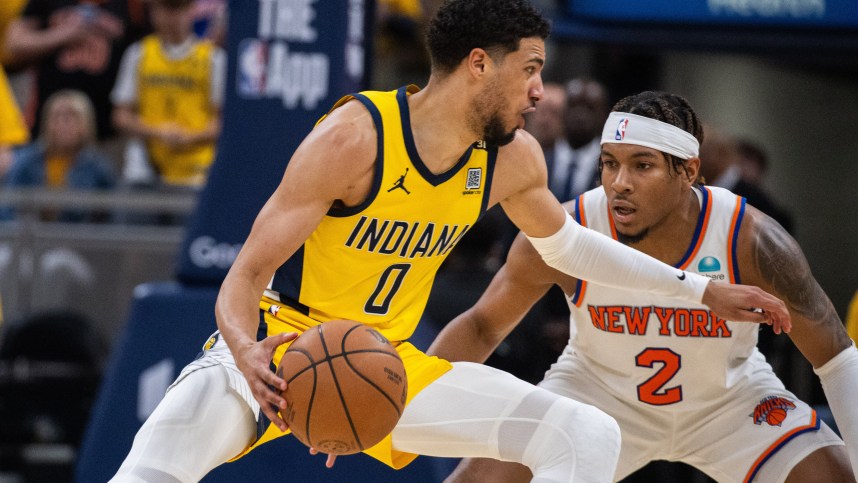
(251, 66)
(621, 129)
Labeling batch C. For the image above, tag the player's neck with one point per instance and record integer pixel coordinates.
(439, 125)
(669, 239)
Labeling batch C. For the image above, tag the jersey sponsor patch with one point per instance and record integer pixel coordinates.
(708, 264)
(475, 179)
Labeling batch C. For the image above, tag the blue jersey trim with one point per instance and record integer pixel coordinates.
(379, 163)
(701, 218)
(287, 281)
(781, 445)
(735, 259)
(411, 148)
(491, 159)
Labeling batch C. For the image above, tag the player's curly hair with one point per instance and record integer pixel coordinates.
(668, 108)
(496, 26)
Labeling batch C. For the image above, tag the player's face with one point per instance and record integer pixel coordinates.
(642, 190)
(511, 92)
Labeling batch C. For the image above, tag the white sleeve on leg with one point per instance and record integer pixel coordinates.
(839, 378)
(589, 255)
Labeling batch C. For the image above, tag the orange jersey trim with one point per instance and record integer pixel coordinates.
(581, 218)
(771, 450)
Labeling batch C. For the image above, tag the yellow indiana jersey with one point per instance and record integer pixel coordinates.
(177, 92)
(375, 263)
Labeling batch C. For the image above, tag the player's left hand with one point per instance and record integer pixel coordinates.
(332, 458)
(744, 303)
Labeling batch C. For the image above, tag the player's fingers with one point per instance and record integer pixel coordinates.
(272, 379)
(272, 342)
(329, 463)
(775, 309)
(274, 416)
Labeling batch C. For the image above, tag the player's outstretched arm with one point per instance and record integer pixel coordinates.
(771, 258)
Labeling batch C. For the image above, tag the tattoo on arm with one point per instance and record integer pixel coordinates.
(783, 267)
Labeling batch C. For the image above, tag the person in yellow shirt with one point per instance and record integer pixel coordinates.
(13, 129)
(168, 94)
(852, 318)
(64, 155)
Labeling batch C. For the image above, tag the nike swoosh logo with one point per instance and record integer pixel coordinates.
(681, 277)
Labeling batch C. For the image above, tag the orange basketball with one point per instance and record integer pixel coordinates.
(346, 387)
(776, 416)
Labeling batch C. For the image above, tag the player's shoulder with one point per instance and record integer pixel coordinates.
(344, 140)
(523, 147)
(522, 161)
(348, 125)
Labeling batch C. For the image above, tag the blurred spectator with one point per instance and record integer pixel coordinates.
(719, 158)
(64, 155)
(722, 164)
(574, 162)
(13, 128)
(546, 123)
(74, 44)
(9, 10)
(753, 164)
(168, 93)
(399, 43)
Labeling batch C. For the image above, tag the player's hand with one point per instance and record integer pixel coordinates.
(332, 458)
(744, 303)
(254, 361)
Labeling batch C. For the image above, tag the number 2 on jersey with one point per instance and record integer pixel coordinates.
(652, 390)
(388, 284)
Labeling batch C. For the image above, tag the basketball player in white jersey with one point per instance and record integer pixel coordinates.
(683, 384)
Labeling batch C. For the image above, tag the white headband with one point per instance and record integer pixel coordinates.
(625, 128)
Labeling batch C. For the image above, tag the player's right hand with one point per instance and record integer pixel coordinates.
(254, 361)
(746, 303)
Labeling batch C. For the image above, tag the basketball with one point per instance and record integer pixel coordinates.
(776, 416)
(346, 387)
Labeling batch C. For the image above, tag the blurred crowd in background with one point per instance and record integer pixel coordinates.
(89, 102)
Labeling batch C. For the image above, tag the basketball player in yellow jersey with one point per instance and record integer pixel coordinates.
(168, 93)
(346, 235)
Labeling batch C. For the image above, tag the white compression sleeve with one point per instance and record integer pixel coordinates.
(589, 255)
(839, 378)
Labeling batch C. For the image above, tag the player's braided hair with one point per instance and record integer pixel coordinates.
(496, 26)
(665, 107)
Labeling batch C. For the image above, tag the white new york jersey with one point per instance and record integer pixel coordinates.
(664, 352)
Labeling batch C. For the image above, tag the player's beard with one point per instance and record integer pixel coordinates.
(632, 239)
(486, 115)
(495, 133)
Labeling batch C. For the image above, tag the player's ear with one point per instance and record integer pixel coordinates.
(692, 170)
(476, 62)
